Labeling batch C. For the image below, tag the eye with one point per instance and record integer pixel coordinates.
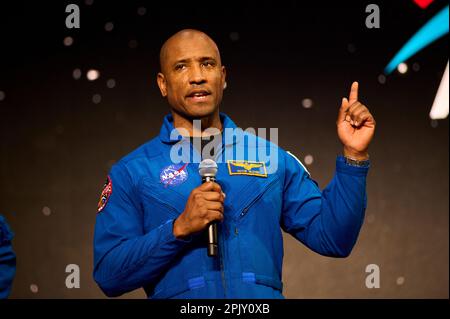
(179, 67)
(208, 63)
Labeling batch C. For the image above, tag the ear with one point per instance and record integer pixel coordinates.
(224, 75)
(161, 80)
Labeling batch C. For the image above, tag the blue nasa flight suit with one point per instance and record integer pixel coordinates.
(134, 245)
(7, 259)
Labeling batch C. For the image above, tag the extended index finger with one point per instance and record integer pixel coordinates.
(353, 93)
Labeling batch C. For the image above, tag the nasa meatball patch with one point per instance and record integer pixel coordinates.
(173, 175)
(106, 193)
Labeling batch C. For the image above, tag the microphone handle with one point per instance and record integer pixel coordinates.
(213, 246)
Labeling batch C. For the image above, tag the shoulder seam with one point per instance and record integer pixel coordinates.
(295, 157)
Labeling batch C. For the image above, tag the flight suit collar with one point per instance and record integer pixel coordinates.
(167, 128)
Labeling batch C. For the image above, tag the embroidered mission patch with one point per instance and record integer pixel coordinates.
(106, 193)
(247, 168)
(173, 175)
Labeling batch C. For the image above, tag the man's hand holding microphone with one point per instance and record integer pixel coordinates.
(204, 205)
(204, 208)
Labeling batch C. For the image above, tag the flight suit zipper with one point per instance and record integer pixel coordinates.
(257, 198)
(170, 207)
(248, 206)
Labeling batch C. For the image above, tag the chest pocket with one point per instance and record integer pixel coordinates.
(160, 203)
(244, 191)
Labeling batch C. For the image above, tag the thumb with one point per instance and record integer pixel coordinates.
(343, 110)
(210, 186)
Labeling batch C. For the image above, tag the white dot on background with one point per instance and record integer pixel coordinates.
(402, 68)
(46, 211)
(2, 95)
(92, 75)
(96, 98)
(307, 103)
(76, 74)
(68, 41)
(234, 36)
(400, 280)
(309, 159)
(111, 83)
(34, 288)
(381, 79)
(141, 11)
(109, 26)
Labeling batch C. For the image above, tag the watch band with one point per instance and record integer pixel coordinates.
(354, 162)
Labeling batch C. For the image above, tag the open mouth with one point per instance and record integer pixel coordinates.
(198, 95)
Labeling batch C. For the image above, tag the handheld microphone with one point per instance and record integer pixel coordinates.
(208, 170)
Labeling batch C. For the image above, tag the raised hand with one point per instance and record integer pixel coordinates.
(355, 126)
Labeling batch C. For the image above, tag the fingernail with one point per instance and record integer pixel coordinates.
(224, 195)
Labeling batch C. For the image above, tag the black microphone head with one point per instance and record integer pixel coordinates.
(207, 168)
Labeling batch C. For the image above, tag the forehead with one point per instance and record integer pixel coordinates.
(190, 46)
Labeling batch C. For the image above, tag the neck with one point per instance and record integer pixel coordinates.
(211, 121)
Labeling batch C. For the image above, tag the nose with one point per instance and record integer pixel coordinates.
(197, 76)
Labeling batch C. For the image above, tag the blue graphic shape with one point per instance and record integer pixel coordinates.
(431, 31)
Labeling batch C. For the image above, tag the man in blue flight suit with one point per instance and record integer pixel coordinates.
(7, 259)
(153, 211)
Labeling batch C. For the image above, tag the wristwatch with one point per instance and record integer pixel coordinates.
(354, 162)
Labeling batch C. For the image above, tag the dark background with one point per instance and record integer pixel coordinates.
(57, 145)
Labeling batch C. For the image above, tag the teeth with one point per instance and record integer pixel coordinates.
(199, 94)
